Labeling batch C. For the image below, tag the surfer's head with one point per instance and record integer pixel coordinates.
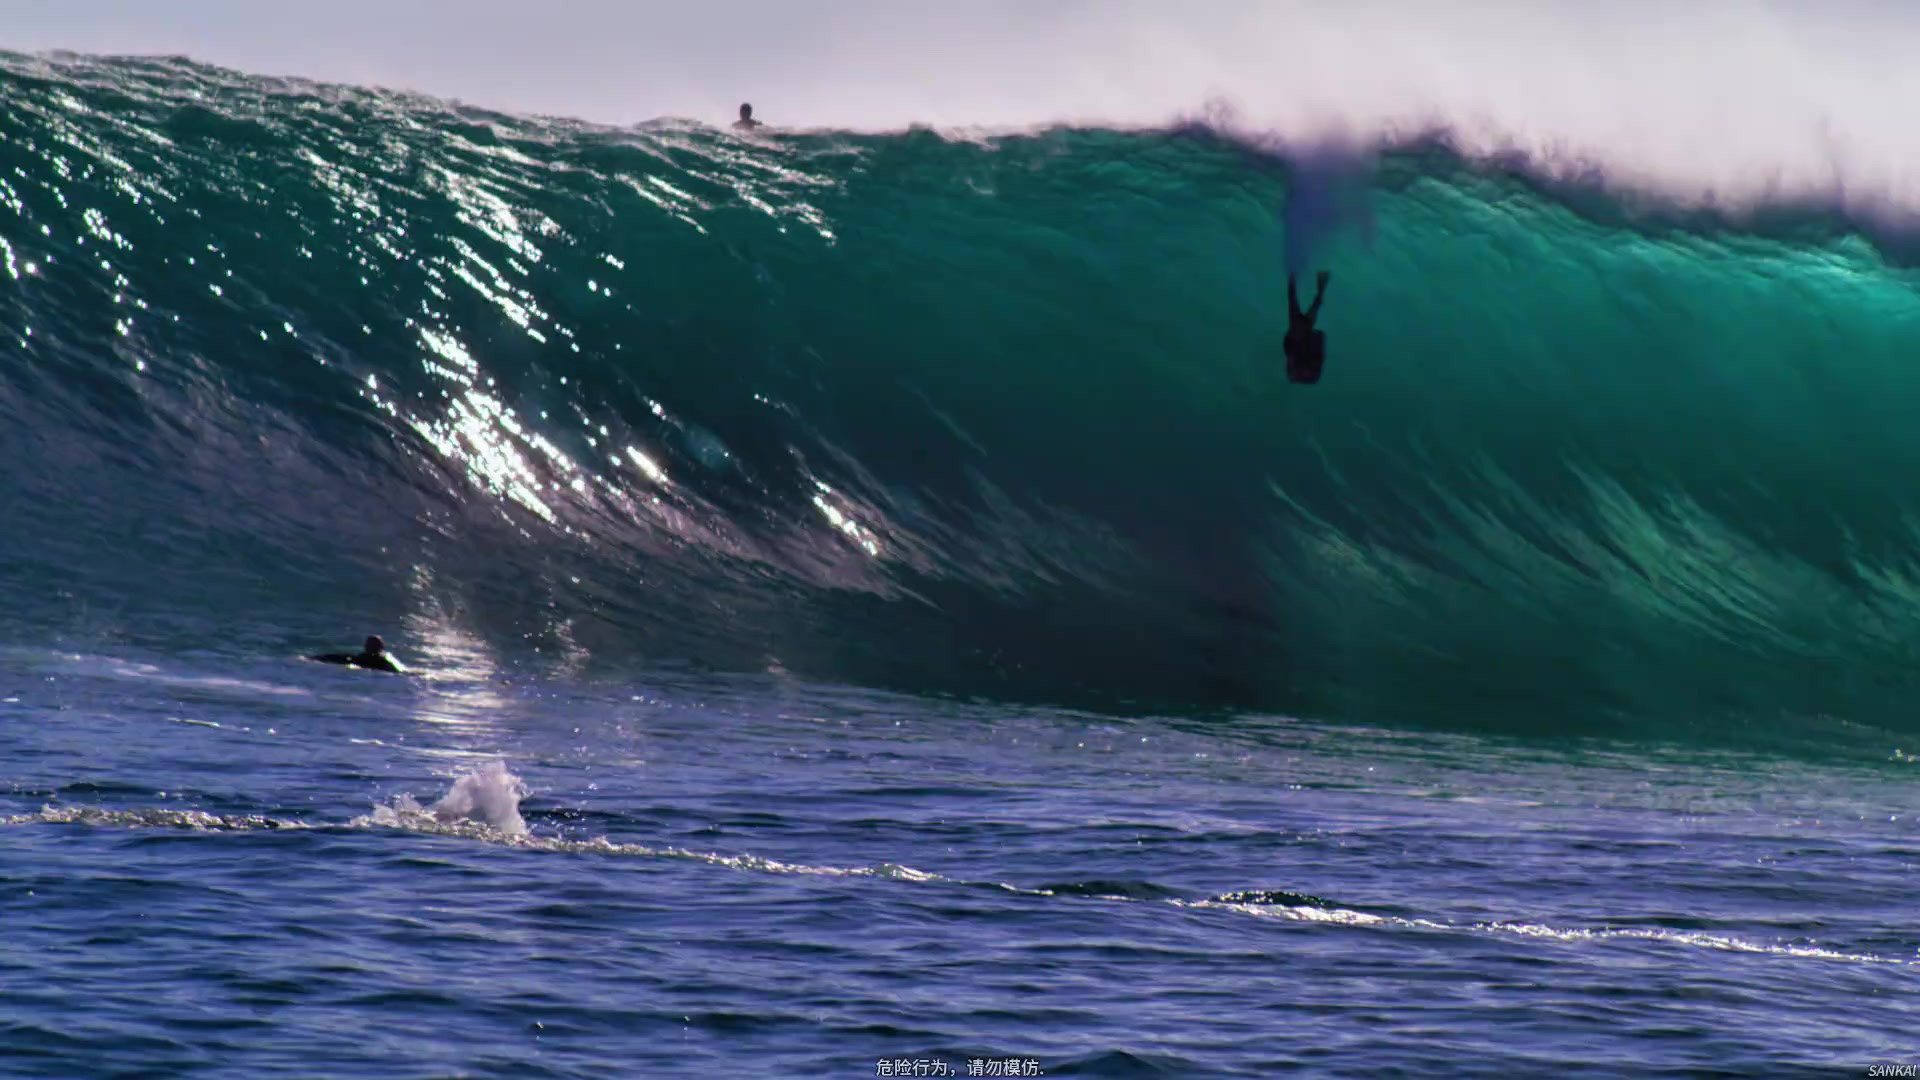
(746, 111)
(375, 646)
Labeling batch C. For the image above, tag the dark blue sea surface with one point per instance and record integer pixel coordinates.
(235, 870)
(875, 598)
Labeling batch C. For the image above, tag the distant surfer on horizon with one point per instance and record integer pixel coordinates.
(373, 656)
(1306, 347)
(746, 121)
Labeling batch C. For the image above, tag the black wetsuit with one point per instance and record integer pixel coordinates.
(1306, 348)
(371, 661)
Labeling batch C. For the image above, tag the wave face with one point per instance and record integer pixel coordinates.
(1000, 417)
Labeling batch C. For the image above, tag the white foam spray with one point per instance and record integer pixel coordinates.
(488, 797)
(1721, 101)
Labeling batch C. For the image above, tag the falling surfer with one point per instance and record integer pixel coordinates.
(1306, 347)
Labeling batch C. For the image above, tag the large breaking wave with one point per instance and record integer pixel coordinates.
(995, 416)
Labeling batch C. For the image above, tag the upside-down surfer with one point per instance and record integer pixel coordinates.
(373, 656)
(1306, 347)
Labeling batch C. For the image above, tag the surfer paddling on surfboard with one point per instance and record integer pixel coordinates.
(373, 657)
(1306, 347)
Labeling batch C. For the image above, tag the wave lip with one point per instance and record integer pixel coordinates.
(1729, 103)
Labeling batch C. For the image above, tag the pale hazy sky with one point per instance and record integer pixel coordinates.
(1727, 95)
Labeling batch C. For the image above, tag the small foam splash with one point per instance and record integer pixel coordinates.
(485, 805)
(486, 799)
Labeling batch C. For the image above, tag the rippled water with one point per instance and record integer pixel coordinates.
(282, 868)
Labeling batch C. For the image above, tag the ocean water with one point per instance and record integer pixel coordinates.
(876, 600)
